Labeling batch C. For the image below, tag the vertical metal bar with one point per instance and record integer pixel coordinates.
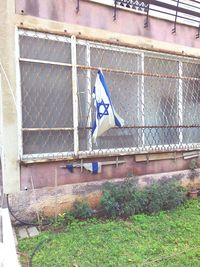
(1, 145)
(146, 24)
(75, 94)
(140, 97)
(174, 29)
(198, 32)
(78, 6)
(18, 96)
(115, 11)
(89, 96)
(56, 194)
(180, 102)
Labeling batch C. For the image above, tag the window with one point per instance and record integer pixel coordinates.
(156, 94)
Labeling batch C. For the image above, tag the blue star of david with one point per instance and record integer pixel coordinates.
(102, 109)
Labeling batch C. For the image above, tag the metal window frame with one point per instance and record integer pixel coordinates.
(52, 37)
(90, 44)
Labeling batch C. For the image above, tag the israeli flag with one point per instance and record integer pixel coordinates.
(94, 167)
(106, 116)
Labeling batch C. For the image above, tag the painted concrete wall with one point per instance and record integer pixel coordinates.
(48, 174)
(128, 24)
(101, 17)
(10, 164)
(50, 201)
(60, 17)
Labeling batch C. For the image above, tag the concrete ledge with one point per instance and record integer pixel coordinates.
(51, 201)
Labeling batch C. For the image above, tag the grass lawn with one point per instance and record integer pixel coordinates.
(166, 239)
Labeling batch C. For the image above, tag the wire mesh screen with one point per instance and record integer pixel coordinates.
(157, 95)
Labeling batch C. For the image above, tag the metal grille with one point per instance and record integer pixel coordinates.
(157, 95)
(183, 11)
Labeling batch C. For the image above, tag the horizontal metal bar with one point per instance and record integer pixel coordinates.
(46, 129)
(176, 59)
(150, 127)
(168, 6)
(113, 70)
(195, 1)
(134, 73)
(170, 14)
(124, 127)
(186, 4)
(103, 163)
(44, 62)
(173, 7)
(44, 35)
(36, 158)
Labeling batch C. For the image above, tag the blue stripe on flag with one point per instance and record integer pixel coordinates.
(94, 126)
(102, 79)
(95, 167)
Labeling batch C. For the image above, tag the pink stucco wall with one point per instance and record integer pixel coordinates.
(49, 174)
(101, 17)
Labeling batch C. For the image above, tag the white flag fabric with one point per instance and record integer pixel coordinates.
(94, 167)
(106, 116)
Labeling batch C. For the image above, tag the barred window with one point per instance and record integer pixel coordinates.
(157, 95)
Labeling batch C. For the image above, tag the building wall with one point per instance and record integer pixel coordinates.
(50, 201)
(127, 22)
(48, 174)
(60, 17)
(9, 127)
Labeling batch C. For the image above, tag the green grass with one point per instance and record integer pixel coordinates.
(166, 239)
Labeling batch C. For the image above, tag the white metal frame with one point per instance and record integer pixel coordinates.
(52, 37)
(75, 94)
(89, 96)
(180, 101)
(18, 96)
(88, 45)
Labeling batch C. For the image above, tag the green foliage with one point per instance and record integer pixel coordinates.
(81, 210)
(125, 199)
(165, 195)
(62, 219)
(168, 238)
(193, 165)
(122, 199)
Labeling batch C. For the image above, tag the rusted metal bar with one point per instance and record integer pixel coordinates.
(175, 59)
(78, 6)
(146, 24)
(138, 73)
(46, 129)
(115, 10)
(151, 127)
(174, 28)
(126, 127)
(198, 32)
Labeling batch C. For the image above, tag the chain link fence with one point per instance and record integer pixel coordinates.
(156, 94)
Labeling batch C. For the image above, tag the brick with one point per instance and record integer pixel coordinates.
(22, 232)
(33, 231)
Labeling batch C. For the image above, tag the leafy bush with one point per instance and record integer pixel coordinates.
(122, 199)
(81, 210)
(125, 199)
(165, 195)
